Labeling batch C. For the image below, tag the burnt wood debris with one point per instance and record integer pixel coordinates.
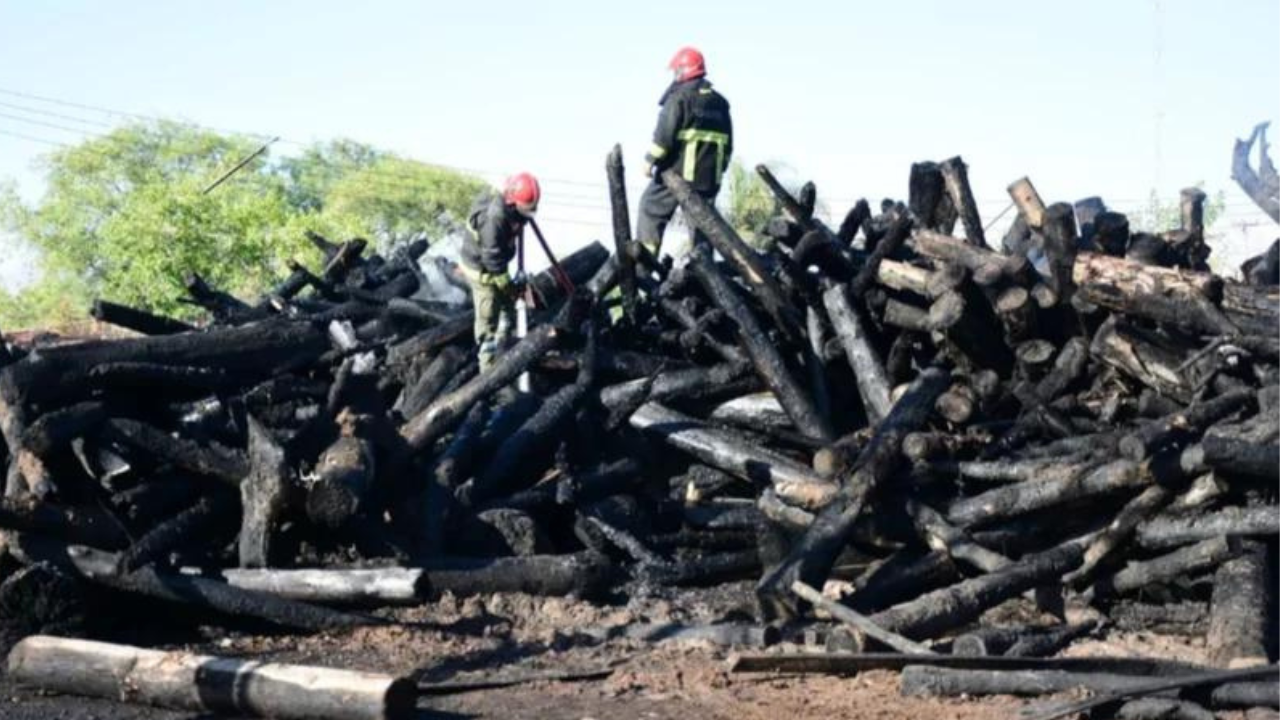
(1079, 415)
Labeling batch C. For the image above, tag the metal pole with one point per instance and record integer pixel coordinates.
(239, 165)
(522, 310)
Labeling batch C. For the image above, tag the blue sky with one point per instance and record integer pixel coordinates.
(1113, 98)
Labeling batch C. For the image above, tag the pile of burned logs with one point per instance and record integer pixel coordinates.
(1082, 414)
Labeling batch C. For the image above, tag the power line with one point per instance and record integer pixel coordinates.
(41, 123)
(118, 113)
(51, 114)
(403, 180)
(395, 180)
(372, 179)
(549, 218)
(32, 138)
(260, 136)
(388, 177)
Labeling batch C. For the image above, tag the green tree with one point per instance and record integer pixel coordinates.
(395, 199)
(124, 215)
(57, 300)
(311, 175)
(747, 203)
(1158, 215)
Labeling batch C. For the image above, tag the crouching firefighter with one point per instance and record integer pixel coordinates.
(497, 227)
(694, 136)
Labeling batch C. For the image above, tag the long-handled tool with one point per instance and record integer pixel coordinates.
(523, 300)
(526, 298)
(562, 277)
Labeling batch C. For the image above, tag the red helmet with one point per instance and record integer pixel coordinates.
(688, 64)
(522, 191)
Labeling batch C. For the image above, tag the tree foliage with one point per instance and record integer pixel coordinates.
(311, 175)
(124, 215)
(1158, 215)
(747, 203)
(395, 199)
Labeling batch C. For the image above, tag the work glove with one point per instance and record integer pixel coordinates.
(649, 170)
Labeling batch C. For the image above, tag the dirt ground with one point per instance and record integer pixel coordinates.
(509, 635)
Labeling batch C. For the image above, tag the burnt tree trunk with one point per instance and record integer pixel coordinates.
(764, 355)
(344, 476)
(1030, 206)
(1164, 531)
(1184, 426)
(1186, 561)
(263, 497)
(1137, 353)
(208, 684)
(934, 613)
(920, 680)
(811, 559)
(1013, 500)
(234, 602)
(428, 425)
(427, 386)
(1166, 295)
(1264, 188)
(526, 452)
(88, 525)
(1238, 611)
(894, 240)
(434, 505)
(137, 320)
(582, 575)
(956, 176)
(257, 348)
(1250, 448)
(938, 534)
(743, 259)
(928, 198)
(987, 266)
(1059, 230)
(214, 461)
(868, 371)
(200, 522)
(721, 448)
(621, 231)
(685, 384)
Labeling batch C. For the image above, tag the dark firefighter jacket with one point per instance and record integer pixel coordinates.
(495, 230)
(694, 134)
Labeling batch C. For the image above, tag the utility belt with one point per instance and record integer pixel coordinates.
(476, 276)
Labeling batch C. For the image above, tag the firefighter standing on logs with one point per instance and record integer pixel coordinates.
(497, 225)
(694, 136)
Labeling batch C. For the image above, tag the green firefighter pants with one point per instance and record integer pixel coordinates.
(495, 314)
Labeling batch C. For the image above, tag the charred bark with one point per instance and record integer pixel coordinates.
(1165, 531)
(810, 561)
(137, 320)
(868, 371)
(764, 355)
(439, 416)
(1238, 611)
(745, 261)
(621, 231)
(934, 613)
